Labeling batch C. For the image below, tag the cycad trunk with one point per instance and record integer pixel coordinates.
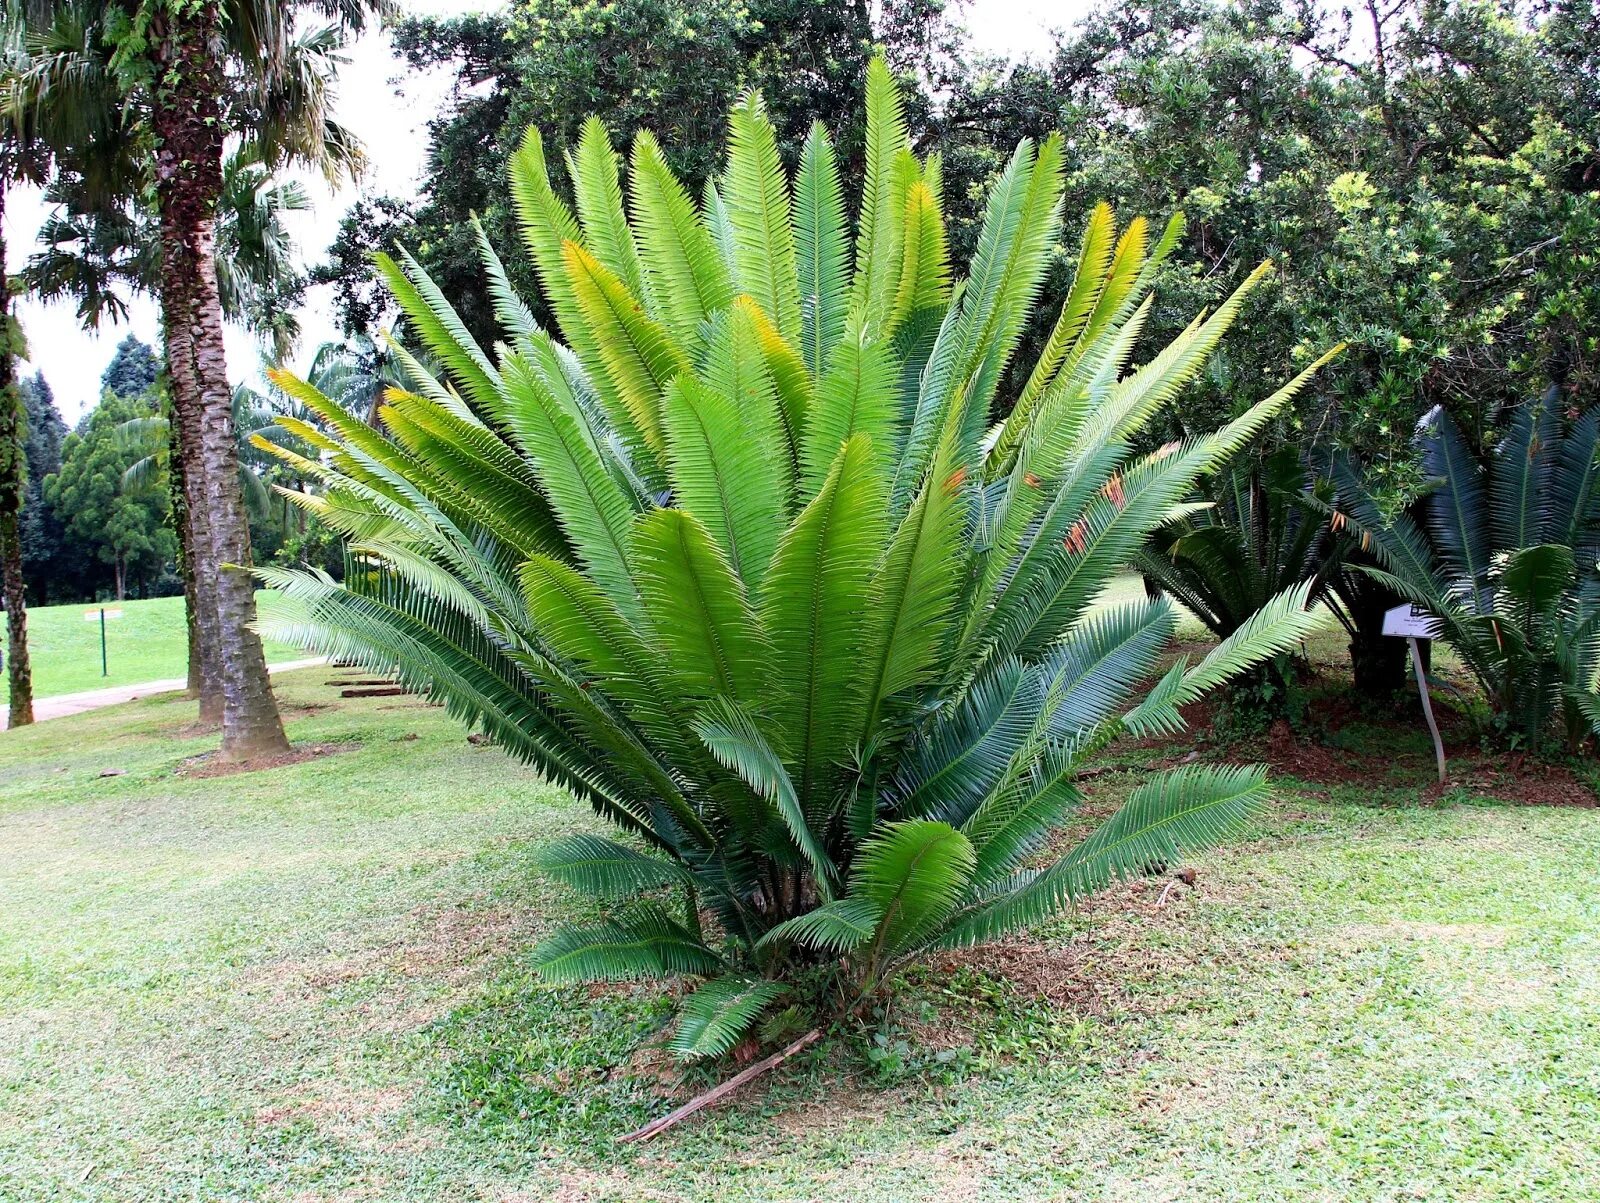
(188, 180)
(12, 462)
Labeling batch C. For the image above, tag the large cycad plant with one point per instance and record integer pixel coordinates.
(742, 562)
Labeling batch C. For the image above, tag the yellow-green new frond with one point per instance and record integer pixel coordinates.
(638, 353)
(547, 226)
(738, 364)
(686, 275)
(789, 376)
(757, 198)
(1094, 257)
(1133, 400)
(822, 248)
(925, 256)
(599, 197)
(1116, 293)
(441, 329)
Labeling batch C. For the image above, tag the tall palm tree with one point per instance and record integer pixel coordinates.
(96, 253)
(357, 373)
(190, 73)
(22, 153)
(155, 438)
(13, 469)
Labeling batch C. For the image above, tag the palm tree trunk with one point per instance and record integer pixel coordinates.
(13, 467)
(205, 673)
(188, 129)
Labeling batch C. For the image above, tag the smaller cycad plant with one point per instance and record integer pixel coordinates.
(1506, 558)
(742, 562)
(1253, 533)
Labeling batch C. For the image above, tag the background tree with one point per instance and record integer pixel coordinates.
(49, 564)
(126, 530)
(133, 370)
(357, 371)
(1420, 172)
(555, 64)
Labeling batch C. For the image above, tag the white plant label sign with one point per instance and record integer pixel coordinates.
(1410, 622)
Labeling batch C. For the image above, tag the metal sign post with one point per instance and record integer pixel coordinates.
(1414, 624)
(102, 614)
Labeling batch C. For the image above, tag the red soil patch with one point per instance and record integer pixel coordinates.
(209, 766)
(1089, 973)
(1527, 783)
(1310, 761)
(1516, 779)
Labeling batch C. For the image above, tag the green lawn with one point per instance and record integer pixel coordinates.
(311, 983)
(148, 643)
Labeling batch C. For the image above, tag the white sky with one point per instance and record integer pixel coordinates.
(387, 106)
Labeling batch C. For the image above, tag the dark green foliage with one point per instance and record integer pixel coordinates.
(554, 64)
(1438, 210)
(133, 370)
(53, 565)
(1256, 534)
(125, 531)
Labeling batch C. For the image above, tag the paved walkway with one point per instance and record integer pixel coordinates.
(92, 699)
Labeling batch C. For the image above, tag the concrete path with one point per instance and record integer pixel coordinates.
(92, 699)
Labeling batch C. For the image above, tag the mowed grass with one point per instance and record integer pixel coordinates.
(148, 643)
(312, 983)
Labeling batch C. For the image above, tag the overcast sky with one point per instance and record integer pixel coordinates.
(387, 107)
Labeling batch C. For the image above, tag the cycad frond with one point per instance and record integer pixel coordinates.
(647, 943)
(1184, 811)
(821, 247)
(717, 1015)
(757, 196)
(877, 258)
(606, 868)
(813, 606)
(697, 610)
(599, 199)
(686, 276)
(913, 873)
